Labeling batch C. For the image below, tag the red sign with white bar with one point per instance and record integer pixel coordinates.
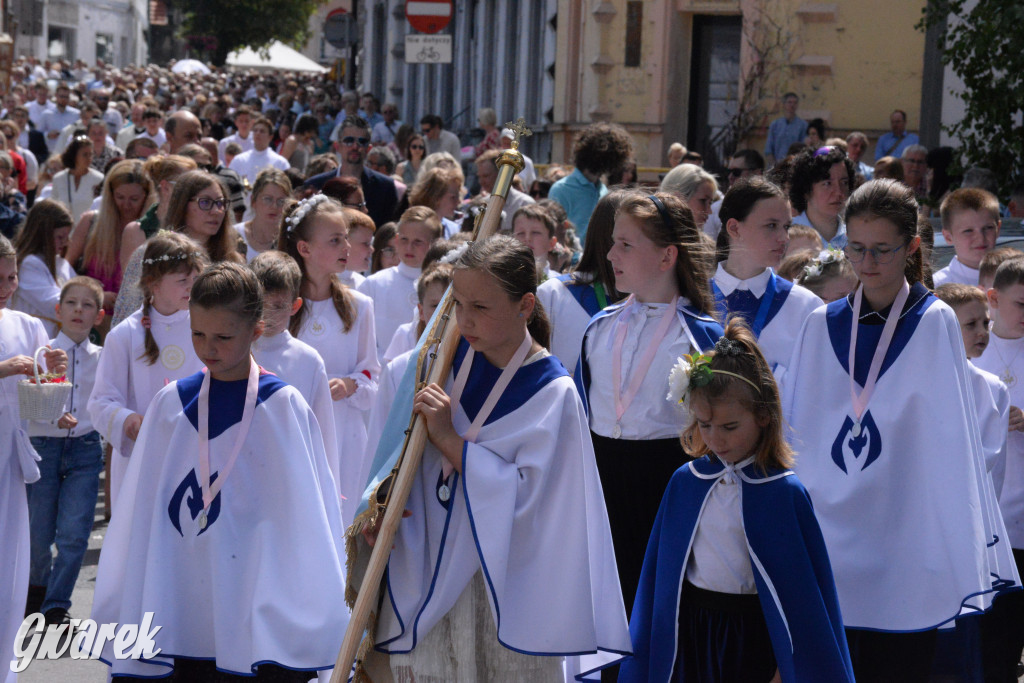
(428, 16)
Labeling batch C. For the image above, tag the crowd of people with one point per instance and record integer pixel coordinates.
(725, 428)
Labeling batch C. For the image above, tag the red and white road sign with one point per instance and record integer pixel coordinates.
(429, 16)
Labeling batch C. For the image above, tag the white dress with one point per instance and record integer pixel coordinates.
(350, 354)
(125, 384)
(77, 200)
(19, 334)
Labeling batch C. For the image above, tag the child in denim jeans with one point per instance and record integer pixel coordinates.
(62, 503)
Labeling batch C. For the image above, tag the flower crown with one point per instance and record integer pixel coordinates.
(304, 207)
(694, 371)
(180, 256)
(827, 256)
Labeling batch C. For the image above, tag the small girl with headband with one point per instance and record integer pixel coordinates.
(659, 259)
(736, 584)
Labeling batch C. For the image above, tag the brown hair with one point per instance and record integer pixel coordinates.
(893, 201)
(956, 294)
(511, 264)
(222, 246)
(358, 219)
(289, 244)
(431, 186)
(161, 168)
(692, 260)
(437, 274)
(1009, 273)
(537, 213)
(792, 266)
(268, 177)
(36, 233)
(424, 215)
(278, 272)
(91, 284)
(593, 265)
(229, 286)
(816, 283)
(771, 451)
(341, 188)
(381, 237)
(969, 199)
(166, 252)
(806, 232)
(993, 259)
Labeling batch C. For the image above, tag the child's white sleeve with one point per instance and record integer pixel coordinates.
(108, 404)
(37, 288)
(367, 369)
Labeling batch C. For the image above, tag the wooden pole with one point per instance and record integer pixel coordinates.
(510, 162)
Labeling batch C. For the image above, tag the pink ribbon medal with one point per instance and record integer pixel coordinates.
(210, 490)
(861, 399)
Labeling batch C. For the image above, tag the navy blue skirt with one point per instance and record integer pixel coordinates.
(723, 638)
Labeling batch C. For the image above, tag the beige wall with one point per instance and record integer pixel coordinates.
(854, 61)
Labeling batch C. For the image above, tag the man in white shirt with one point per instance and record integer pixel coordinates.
(249, 164)
(384, 131)
(135, 128)
(242, 135)
(57, 118)
(528, 174)
(40, 105)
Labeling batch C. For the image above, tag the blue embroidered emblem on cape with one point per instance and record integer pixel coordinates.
(189, 486)
(867, 442)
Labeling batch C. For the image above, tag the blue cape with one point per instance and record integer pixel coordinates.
(791, 571)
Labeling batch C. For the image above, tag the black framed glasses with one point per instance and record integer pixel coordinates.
(349, 141)
(880, 255)
(269, 201)
(207, 204)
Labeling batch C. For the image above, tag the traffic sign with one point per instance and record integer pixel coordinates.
(428, 16)
(340, 29)
(428, 49)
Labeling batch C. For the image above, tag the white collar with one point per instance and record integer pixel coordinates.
(958, 266)
(66, 343)
(275, 343)
(757, 285)
(408, 271)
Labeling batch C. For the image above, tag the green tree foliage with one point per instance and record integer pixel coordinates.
(980, 40)
(220, 27)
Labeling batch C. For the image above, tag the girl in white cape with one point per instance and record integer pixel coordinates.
(880, 404)
(505, 565)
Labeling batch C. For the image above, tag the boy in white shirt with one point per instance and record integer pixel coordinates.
(277, 351)
(1003, 638)
(393, 290)
(970, 222)
(535, 227)
(249, 164)
(62, 502)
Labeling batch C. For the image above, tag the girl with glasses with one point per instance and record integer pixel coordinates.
(200, 209)
(415, 152)
(270, 197)
(879, 403)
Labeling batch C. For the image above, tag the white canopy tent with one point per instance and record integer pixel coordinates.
(280, 57)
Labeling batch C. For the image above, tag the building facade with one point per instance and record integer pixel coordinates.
(111, 30)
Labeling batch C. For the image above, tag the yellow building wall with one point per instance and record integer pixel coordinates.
(853, 62)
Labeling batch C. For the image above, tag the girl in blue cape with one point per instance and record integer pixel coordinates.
(736, 583)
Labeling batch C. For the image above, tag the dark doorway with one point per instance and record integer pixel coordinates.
(714, 84)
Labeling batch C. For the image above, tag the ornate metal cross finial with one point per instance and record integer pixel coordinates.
(519, 129)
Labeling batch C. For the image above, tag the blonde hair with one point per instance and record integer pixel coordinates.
(432, 185)
(103, 245)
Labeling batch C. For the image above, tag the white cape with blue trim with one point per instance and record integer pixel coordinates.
(529, 511)
(908, 512)
(264, 581)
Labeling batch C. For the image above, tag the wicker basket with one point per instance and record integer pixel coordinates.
(38, 401)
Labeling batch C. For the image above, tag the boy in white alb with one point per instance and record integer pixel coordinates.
(991, 396)
(1004, 359)
(291, 359)
(970, 222)
(393, 290)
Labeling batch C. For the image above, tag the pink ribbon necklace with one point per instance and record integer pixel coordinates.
(861, 399)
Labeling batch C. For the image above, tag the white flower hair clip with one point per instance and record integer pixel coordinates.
(825, 257)
(694, 370)
(455, 254)
(304, 207)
